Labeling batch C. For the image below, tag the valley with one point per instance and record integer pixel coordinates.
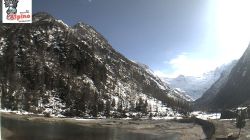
(60, 81)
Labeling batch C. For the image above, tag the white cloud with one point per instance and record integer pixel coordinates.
(185, 65)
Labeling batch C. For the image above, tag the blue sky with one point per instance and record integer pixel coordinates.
(171, 36)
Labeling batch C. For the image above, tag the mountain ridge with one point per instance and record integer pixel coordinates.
(235, 91)
(204, 101)
(50, 67)
(196, 86)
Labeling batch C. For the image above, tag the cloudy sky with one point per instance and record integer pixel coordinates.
(173, 37)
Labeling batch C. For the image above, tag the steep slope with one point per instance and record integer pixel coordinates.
(236, 90)
(195, 86)
(180, 95)
(49, 67)
(210, 94)
(174, 93)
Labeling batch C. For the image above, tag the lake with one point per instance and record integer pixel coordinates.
(28, 130)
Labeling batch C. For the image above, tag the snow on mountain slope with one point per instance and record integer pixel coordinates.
(75, 67)
(175, 93)
(195, 86)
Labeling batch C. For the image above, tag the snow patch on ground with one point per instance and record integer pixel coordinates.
(60, 21)
(54, 106)
(49, 64)
(167, 118)
(80, 119)
(206, 116)
(99, 58)
(20, 112)
(2, 45)
(85, 79)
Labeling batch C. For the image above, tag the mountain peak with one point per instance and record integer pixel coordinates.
(74, 70)
(195, 86)
(40, 16)
(81, 25)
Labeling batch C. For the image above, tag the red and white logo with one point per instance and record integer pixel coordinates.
(17, 11)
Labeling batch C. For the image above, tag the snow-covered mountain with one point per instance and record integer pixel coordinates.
(50, 67)
(175, 93)
(196, 86)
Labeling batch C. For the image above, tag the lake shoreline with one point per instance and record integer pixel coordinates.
(150, 127)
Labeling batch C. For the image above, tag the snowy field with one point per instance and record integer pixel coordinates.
(197, 114)
(206, 116)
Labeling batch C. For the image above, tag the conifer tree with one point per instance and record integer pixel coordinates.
(240, 121)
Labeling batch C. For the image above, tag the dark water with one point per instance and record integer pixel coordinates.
(26, 130)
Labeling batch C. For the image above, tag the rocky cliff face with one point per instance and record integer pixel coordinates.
(50, 67)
